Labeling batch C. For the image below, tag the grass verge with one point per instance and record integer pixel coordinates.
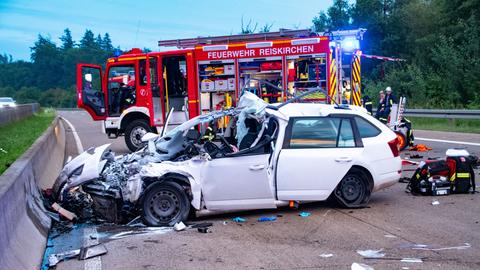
(443, 124)
(17, 137)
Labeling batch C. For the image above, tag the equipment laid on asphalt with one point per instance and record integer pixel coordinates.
(454, 174)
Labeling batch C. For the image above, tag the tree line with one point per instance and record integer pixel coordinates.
(49, 78)
(439, 39)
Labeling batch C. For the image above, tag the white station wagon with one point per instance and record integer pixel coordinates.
(268, 156)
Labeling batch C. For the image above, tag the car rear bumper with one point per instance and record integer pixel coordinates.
(387, 180)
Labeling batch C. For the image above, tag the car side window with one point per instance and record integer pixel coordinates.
(345, 136)
(321, 132)
(365, 128)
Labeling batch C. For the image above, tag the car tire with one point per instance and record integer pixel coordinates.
(353, 191)
(165, 204)
(402, 140)
(134, 133)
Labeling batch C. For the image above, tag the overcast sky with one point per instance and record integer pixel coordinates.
(142, 23)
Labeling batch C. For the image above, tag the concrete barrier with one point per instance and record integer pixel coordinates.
(23, 223)
(10, 114)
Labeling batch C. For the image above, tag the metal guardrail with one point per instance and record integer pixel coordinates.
(449, 114)
(438, 113)
(11, 114)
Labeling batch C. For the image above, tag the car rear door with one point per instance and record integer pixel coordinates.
(316, 153)
(90, 92)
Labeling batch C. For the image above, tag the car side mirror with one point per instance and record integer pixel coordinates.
(149, 136)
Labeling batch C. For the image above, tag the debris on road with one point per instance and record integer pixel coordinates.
(304, 214)
(420, 148)
(203, 230)
(109, 232)
(390, 236)
(326, 255)
(54, 259)
(411, 260)
(136, 222)
(64, 212)
(426, 247)
(435, 202)
(239, 219)
(266, 219)
(201, 225)
(180, 226)
(92, 251)
(416, 156)
(361, 266)
(370, 253)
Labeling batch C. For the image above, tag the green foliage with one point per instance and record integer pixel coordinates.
(337, 17)
(443, 124)
(438, 38)
(17, 137)
(248, 28)
(50, 76)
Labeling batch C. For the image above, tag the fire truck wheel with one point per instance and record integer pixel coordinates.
(402, 140)
(134, 133)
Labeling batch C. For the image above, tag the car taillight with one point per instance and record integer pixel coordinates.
(394, 147)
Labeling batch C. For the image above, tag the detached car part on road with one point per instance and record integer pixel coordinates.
(267, 156)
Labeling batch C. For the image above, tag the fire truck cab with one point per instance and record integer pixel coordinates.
(136, 91)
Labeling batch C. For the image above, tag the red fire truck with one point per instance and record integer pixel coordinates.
(137, 90)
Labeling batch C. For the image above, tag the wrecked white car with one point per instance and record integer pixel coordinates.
(267, 156)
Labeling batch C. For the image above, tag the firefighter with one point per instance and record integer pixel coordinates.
(367, 104)
(380, 114)
(389, 100)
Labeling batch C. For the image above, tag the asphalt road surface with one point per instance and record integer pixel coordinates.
(441, 236)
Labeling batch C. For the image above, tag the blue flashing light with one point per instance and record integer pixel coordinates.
(350, 44)
(117, 52)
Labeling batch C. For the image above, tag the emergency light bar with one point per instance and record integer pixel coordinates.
(305, 41)
(254, 45)
(215, 48)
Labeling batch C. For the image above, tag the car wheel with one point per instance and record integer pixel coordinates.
(402, 140)
(165, 204)
(353, 191)
(134, 133)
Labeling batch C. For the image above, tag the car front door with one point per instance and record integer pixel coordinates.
(316, 154)
(235, 183)
(90, 94)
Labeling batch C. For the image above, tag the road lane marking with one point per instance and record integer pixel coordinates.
(94, 263)
(75, 136)
(446, 141)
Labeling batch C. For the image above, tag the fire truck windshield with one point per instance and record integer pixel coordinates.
(121, 89)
